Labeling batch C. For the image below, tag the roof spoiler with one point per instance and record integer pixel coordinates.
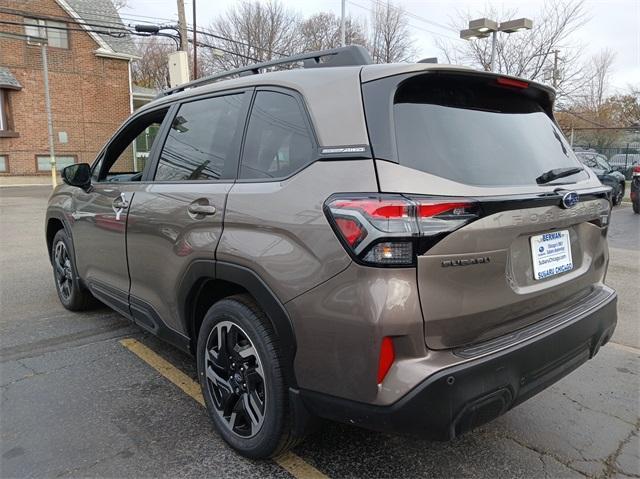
(352, 55)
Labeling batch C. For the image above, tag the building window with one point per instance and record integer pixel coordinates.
(54, 32)
(4, 111)
(4, 164)
(8, 84)
(61, 162)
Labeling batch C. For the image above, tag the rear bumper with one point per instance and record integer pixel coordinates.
(459, 398)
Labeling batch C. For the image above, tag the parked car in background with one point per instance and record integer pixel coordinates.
(606, 174)
(624, 163)
(635, 190)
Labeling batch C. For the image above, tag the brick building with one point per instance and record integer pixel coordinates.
(89, 77)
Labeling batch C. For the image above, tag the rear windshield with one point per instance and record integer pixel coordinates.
(478, 133)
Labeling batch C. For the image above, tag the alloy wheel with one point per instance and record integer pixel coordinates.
(235, 379)
(64, 273)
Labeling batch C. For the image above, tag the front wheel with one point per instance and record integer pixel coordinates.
(241, 375)
(71, 293)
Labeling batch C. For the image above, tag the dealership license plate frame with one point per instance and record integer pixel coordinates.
(551, 254)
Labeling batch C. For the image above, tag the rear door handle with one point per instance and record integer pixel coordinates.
(197, 209)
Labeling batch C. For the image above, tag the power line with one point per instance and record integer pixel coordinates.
(122, 31)
(410, 24)
(413, 15)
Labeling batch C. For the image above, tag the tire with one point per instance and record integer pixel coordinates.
(241, 372)
(71, 293)
(636, 207)
(619, 195)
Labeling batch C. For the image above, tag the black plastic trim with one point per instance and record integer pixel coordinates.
(114, 298)
(270, 304)
(461, 397)
(203, 269)
(145, 316)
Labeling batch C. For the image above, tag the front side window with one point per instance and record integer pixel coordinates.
(44, 162)
(278, 142)
(55, 32)
(200, 144)
(126, 156)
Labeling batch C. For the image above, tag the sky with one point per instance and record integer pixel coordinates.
(613, 24)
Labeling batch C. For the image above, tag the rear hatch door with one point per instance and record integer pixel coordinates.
(534, 245)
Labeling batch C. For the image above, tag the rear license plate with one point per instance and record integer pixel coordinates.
(551, 254)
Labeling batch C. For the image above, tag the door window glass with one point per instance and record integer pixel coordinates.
(128, 153)
(278, 142)
(200, 144)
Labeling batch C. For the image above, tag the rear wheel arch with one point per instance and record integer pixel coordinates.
(207, 282)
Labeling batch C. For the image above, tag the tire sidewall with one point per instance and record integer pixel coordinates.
(267, 439)
(74, 298)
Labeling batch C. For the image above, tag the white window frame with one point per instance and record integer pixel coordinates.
(4, 120)
(46, 161)
(36, 27)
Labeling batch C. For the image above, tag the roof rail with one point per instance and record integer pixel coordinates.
(352, 55)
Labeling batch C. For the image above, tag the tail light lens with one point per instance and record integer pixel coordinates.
(389, 230)
(636, 170)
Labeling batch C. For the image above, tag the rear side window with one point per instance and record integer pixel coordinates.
(477, 132)
(278, 142)
(200, 144)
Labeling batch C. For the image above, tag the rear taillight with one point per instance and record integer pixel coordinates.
(389, 230)
(636, 170)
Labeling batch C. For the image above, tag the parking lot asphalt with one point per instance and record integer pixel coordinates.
(76, 401)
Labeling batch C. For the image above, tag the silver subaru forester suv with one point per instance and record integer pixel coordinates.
(410, 248)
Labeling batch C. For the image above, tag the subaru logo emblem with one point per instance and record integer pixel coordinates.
(569, 200)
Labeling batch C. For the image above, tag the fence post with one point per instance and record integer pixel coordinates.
(626, 157)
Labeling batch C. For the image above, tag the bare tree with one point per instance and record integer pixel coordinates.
(597, 85)
(152, 69)
(528, 54)
(120, 4)
(322, 30)
(390, 39)
(249, 32)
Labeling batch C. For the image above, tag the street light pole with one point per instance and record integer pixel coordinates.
(195, 44)
(494, 41)
(343, 33)
(47, 102)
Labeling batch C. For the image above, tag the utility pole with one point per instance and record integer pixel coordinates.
(182, 27)
(343, 33)
(195, 44)
(47, 103)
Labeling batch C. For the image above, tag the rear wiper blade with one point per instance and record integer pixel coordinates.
(557, 173)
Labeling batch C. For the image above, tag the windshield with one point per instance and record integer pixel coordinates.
(477, 133)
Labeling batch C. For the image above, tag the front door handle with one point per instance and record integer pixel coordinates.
(198, 209)
(120, 203)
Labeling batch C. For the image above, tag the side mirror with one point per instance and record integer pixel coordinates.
(77, 175)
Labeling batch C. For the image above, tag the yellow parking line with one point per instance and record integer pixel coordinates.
(292, 463)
